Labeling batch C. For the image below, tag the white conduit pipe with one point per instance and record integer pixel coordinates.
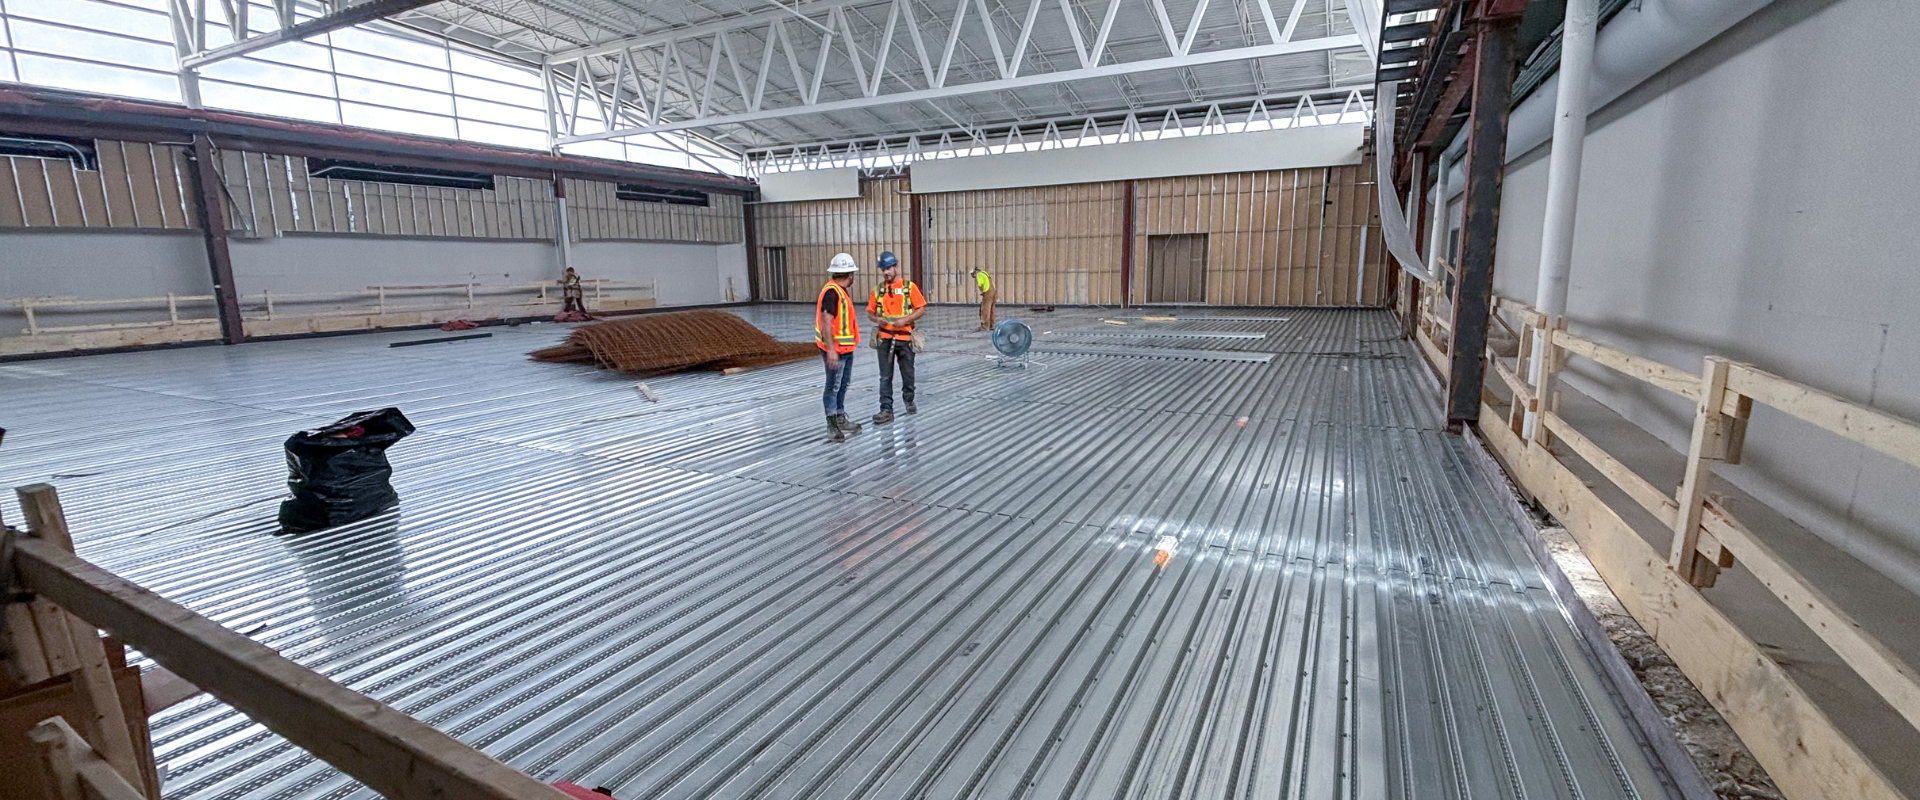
(1441, 220)
(1563, 179)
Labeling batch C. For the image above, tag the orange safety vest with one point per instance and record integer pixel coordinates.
(895, 300)
(846, 330)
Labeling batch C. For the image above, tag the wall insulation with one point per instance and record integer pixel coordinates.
(1277, 237)
(1302, 237)
(808, 234)
(138, 185)
(271, 194)
(1055, 244)
(595, 213)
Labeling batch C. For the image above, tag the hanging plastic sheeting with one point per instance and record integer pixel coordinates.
(1393, 221)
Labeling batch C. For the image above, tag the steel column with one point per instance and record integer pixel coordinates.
(562, 223)
(213, 227)
(1493, 65)
(752, 239)
(916, 237)
(1126, 243)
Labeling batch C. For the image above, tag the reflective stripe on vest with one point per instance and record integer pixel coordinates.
(845, 336)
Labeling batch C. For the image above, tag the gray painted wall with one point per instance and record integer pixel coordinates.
(319, 263)
(99, 265)
(1757, 200)
(94, 264)
(687, 274)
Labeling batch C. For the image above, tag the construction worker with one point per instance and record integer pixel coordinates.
(571, 297)
(893, 306)
(838, 334)
(987, 295)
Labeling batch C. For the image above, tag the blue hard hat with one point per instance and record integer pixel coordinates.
(888, 259)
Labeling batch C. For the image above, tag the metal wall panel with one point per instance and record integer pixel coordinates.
(597, 213)
(813, 231)
(1055, 244)
(137, 185)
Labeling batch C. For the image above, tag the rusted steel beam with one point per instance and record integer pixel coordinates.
(752, 239)
(1493, 68)
(1126, 243)
(207, 193)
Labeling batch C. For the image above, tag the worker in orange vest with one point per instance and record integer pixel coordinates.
(838, 334)
(893, 306)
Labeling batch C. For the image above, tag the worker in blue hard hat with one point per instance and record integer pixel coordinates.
(893, 306)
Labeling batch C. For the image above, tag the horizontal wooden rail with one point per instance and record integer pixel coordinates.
(1706, 536)
(1642, 491)
(1876, 664)
(1678, 381)
(392, 753)
(1887, 434)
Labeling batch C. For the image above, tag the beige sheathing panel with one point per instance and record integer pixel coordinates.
(813, 231)
(137, 185)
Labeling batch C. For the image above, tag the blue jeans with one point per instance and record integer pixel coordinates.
(836, 394)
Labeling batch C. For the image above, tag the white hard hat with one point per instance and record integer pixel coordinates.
(842, 264)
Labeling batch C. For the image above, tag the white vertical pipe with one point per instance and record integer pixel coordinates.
(1437, 231)
(1563, 174)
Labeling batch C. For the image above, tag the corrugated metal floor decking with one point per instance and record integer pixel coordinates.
(701, 598)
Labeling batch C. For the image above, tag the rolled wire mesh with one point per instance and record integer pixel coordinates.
(673, 342)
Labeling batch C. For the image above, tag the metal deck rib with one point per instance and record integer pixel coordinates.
(701, 598)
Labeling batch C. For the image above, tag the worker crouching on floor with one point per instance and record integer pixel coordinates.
(893, 306)
(838, 335)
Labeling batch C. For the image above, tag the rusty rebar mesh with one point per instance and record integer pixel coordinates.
(674, 342)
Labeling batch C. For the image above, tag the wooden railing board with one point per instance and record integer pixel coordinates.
(392, 753)
(1766, 707)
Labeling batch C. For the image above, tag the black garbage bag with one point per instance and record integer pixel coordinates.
(339, 473)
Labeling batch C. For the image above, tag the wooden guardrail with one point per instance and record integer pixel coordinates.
(392, 753)
(172, 318)
(1790, 736)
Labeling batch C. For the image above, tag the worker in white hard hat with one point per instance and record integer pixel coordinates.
(837, 333)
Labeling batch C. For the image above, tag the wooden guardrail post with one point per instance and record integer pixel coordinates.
(1545, 396)
(26, 659)
(93, 676)
(76, 769)
(1523, 406)
(1684, 555)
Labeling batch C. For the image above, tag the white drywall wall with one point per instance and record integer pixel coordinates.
(810, 184)
(331, 263)
(1757, 200)
(685, 274)
(1288, 148)
(97, 264)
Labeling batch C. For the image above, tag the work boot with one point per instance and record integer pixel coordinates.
(885, 416)
(910, 409)
(834, 434)
(840, 421)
